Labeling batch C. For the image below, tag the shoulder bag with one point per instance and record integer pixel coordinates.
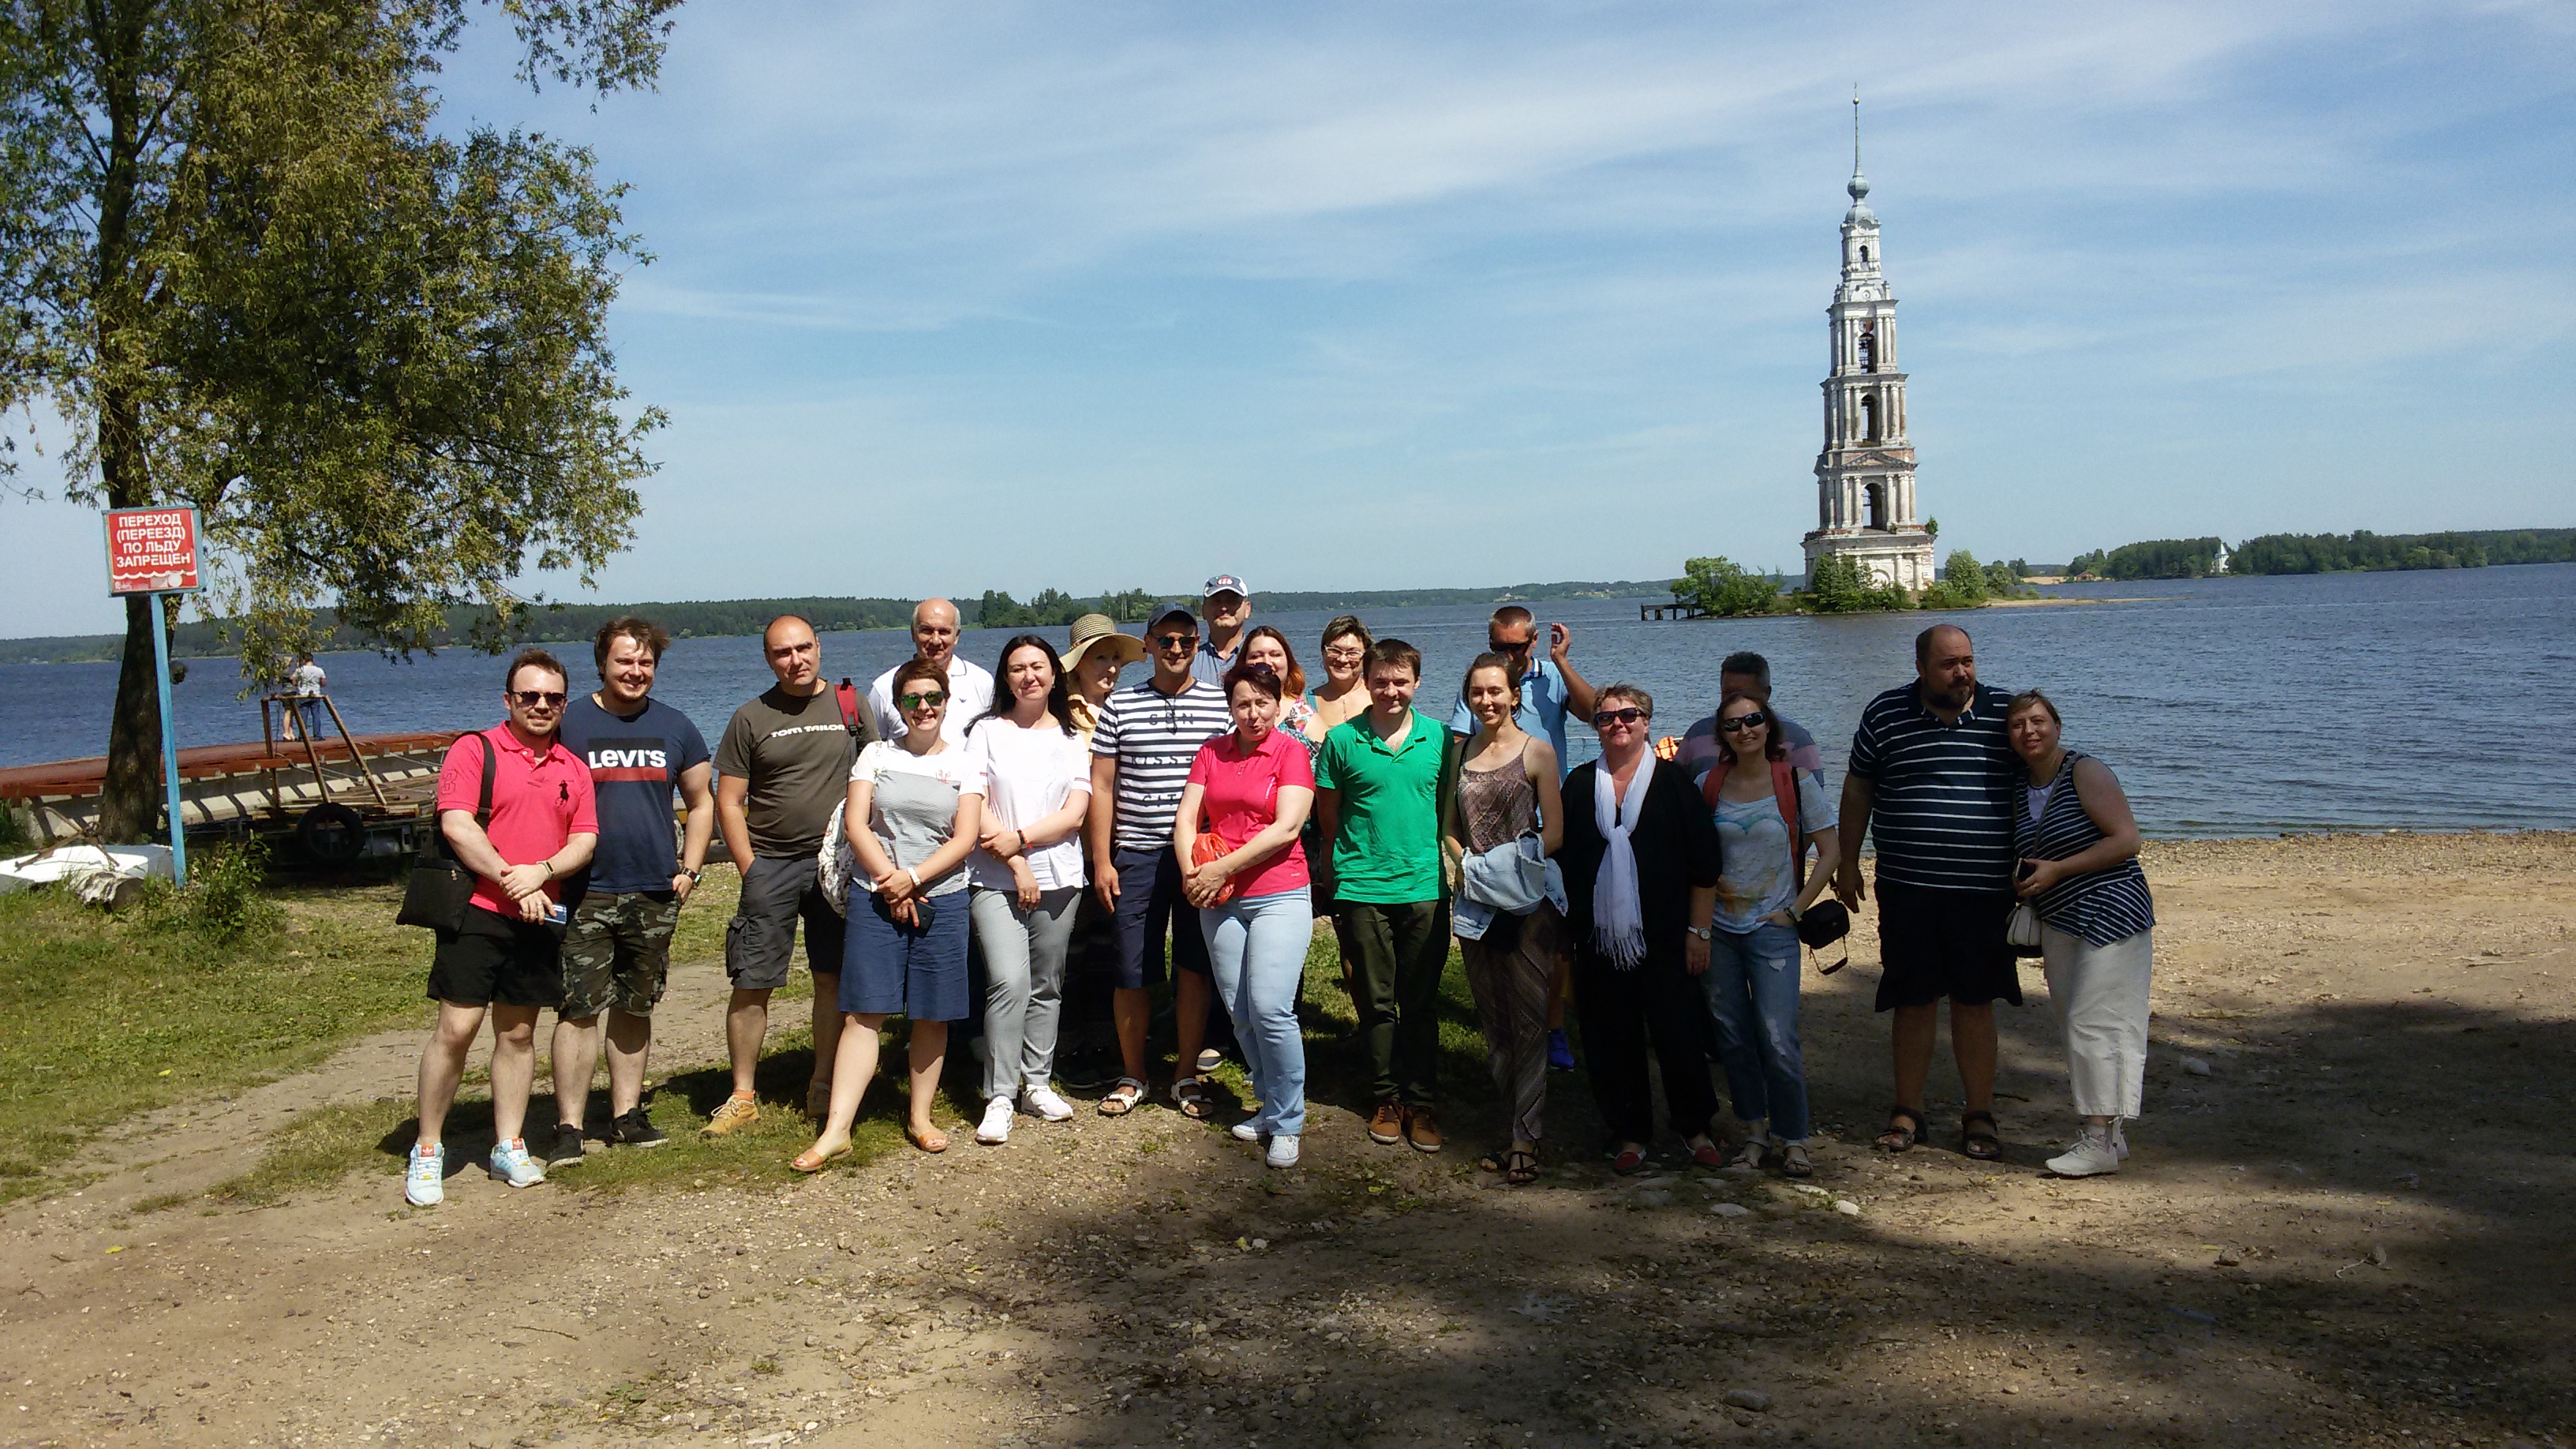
(441, 889)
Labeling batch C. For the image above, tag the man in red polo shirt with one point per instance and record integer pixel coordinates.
(508, 959)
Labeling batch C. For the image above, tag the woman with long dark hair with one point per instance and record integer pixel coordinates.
(1026, 877)
(1769, 814)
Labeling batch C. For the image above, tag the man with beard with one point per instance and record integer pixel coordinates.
(1931, 778)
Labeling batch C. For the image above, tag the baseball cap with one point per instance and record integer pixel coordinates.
(1225, 584)
(1173, 610)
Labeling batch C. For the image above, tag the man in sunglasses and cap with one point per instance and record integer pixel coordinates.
(507, 961)
(1148, 734)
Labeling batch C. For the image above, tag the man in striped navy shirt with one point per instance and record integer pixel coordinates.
(1931, 780)
(1149, 732)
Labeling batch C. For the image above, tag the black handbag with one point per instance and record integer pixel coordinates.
(441, 889)
(1823, 924)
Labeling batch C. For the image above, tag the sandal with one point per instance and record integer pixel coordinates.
(933, 1140)
(1794, 1163)
(1986, 1146)
(1520, 1169)
(1190, 1095)
(807, 1162)
(1898, 1139)
(1122, 1098)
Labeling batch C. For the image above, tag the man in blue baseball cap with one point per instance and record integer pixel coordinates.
(1226, 604)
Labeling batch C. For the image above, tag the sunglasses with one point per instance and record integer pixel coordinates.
(923, 701)
(1604, 719)
(1177, 641)
(1744, 722)
(535, 698)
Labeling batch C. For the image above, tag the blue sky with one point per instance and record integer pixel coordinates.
(1342, 296)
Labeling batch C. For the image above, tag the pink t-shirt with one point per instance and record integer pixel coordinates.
(538, 802)
(1243, 798)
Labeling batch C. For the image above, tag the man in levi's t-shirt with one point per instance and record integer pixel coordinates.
(507, 960)
(1251, 789)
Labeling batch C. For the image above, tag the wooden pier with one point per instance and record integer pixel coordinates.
(1670, 611)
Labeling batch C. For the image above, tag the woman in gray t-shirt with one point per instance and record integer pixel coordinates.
(913, 813)
(1753, 957)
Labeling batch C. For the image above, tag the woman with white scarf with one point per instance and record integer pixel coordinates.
(1641, 873)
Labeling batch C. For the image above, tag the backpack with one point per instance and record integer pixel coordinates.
(1784, 788)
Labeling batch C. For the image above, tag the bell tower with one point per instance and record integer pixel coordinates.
(1865, 505)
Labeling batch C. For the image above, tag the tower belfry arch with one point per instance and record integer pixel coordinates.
(1866, 509)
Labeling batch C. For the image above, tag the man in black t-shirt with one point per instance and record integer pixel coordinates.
(783, 763)
(626, 903)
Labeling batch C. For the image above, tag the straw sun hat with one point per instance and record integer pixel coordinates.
(1096, 629)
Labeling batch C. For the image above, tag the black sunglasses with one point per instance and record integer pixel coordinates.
(1742, 722)
(1604, 719)
(919, 701)
(1177, 641)
(531, 698)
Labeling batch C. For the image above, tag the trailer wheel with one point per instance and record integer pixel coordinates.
(331, 833)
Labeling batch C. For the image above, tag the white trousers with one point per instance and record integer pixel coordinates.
(2100, 996)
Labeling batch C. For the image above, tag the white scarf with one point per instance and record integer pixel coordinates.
(1618, 921)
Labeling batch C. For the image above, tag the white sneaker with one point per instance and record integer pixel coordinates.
(511, 1164)
(2090, 1155)
(1283, 1150)
(1247, 1130)
(995, 1129)
(425, 1185)
(1042, 1101)
(2119, 1140)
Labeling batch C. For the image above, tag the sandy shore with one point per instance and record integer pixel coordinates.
(2350, 1228)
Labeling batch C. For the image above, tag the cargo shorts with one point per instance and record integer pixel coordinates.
(617, 952)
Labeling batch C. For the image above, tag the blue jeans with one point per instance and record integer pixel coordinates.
(1256, 949)
(1752, 986)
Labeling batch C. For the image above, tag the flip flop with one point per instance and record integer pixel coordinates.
(807, 1162)
(932, 1141)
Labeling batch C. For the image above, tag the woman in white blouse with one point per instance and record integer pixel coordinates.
(1026, 877)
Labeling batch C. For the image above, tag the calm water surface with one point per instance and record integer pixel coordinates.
(2228, 706)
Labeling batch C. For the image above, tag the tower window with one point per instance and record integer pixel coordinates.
(1869, 419)
(1864, 256)
(1868, 351)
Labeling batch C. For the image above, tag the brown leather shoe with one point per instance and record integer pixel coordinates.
(1386, 1127)
(1422, 1128)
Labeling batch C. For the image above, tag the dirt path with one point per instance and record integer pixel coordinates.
(2350, 1229)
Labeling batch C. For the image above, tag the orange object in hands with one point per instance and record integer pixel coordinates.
(1205, 847)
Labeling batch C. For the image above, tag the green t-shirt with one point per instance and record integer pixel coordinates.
(1388, 851)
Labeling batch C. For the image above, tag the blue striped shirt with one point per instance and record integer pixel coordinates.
(2102, 906)
(1941, 805)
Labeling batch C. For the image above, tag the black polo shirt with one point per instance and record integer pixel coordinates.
(1941, 810)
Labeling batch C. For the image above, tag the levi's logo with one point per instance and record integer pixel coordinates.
(615, 759)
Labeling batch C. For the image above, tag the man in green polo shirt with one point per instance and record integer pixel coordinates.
(1378, 778)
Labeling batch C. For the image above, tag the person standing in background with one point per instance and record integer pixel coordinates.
(626, 902)
(506, 960)
(1930, 783)
(782, 764)
(1227, 603)
(934, 642)
(308, 681)
(1341, 697)
(1746, 673)
(1550, 690)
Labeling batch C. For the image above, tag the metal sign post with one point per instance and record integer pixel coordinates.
(153, 552)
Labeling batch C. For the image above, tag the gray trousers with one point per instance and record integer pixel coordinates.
(1023, 983)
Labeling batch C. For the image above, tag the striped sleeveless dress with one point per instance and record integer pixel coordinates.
(2100, 906)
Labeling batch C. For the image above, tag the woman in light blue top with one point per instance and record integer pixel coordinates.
(1768, 815)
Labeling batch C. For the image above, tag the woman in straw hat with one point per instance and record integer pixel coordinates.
(1093, 655)
(1092, 659)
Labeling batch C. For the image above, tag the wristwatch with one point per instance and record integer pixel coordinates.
(1703, 932)
(697, 876)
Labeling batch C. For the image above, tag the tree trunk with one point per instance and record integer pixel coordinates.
(129, 803)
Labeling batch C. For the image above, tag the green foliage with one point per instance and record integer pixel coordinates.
(2003, 580)
(1932, 526)
(1722, 587)
(2087, 563)
(1835, 586)
(1054, 608)
(253, 272)
(2161, 558)
(1964, 584)
(223, 903)
(2298, 553)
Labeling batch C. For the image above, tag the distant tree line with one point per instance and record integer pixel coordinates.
(2319, 553)
(2156, 558)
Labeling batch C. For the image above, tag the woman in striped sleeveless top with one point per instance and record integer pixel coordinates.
(2079, 849)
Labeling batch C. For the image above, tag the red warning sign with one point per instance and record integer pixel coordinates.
(151, 550)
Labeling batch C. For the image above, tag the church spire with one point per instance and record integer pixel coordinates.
(1859, 186)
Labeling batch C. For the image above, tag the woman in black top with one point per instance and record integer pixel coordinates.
(1641, 871)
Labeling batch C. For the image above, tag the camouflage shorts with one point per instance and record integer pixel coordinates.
(617, 952)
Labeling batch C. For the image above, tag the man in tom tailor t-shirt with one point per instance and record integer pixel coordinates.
(506, 961)
(627, 902)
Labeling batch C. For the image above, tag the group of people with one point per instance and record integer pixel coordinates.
(964, 845)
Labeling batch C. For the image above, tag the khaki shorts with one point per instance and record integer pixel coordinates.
(617, 953)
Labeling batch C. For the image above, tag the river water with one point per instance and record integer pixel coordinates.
(2227, 706)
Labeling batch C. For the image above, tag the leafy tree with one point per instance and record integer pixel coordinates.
(2003, 580)
(241, 262)
(1722, 587)
(1836, 586)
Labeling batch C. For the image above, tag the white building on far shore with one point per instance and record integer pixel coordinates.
(1865, 506)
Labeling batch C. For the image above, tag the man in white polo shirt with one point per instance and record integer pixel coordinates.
(934, 641)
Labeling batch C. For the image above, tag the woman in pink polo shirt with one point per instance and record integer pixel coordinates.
(1248, 793)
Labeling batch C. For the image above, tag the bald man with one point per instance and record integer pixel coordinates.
(783, 763)
(934, 642)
